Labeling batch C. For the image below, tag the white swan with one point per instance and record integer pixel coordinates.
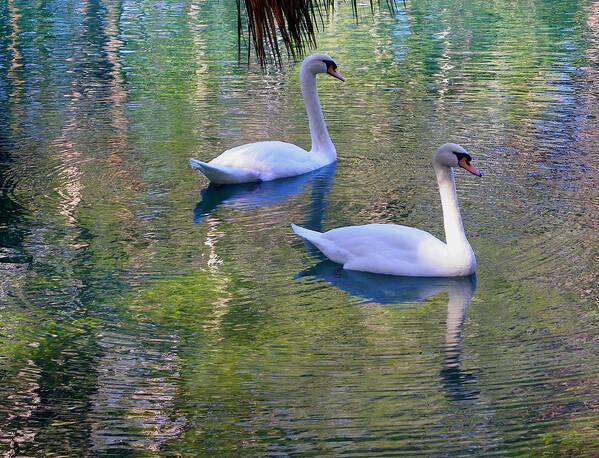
(400, 250)
(269, 160)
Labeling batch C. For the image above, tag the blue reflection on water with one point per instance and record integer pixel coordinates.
(458, 384)
(386, 289)
(254, 195)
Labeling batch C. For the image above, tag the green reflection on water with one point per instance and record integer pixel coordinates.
(128, 327)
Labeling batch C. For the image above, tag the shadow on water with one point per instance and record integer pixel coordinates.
(254, 195)
(393, 291)
(13, 258)
(11, 213)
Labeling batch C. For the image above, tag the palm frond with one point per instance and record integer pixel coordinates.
(294, 22)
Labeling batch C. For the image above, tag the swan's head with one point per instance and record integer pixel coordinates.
(452, 155)
(321, 63)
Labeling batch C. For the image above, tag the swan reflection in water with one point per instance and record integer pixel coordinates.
(393, 290)
(254, 195)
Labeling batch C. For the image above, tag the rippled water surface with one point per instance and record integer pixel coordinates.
(145, 312)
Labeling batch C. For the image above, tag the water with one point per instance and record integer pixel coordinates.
(146, 313)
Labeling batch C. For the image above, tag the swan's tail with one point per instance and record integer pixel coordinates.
(328, 247)
(221, 174)
(313, 237)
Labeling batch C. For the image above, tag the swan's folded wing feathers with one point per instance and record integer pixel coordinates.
(383, 248)
(269, 159)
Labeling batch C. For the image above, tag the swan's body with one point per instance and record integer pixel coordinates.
(390, 249)
(260, 161)
(400, 250)
(270, 160)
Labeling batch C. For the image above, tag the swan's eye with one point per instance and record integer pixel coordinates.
(330, 63)
(460, 155)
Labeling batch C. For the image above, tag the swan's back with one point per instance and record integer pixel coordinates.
(270, 159)
(389, 248)
(382, 248)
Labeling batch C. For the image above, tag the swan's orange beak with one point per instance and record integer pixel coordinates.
(331, 71)
(465, 164)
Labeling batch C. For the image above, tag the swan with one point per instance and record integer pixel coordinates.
(270, 160)
(399, 250)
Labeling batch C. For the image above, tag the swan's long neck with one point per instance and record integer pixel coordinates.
(321, 142)
(452, 220)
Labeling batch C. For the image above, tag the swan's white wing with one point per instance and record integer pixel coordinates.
(387, 249)
(270, 160)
